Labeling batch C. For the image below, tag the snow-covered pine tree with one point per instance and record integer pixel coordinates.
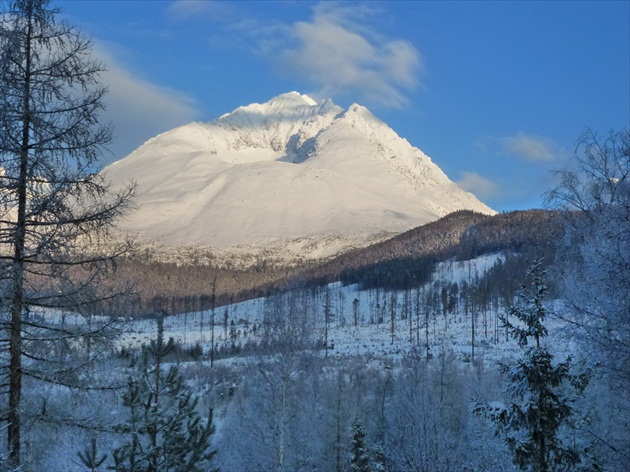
(360, 461)
(541, 393)
(378, 464)
(165, 431)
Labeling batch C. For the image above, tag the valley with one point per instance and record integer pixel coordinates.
(381, 335)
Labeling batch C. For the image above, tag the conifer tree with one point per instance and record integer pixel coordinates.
(90, 457)
(56, 211)
(378, 464)
(360, 461)
(540, 392)
(164, 430)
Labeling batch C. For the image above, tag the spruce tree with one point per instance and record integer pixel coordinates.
(541, 393)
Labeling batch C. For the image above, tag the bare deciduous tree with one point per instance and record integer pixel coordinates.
(595, 274)
(595, 197)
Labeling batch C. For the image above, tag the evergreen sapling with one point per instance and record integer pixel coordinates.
(165, 432)
(360, 461)
(90, 457)
(541, 393)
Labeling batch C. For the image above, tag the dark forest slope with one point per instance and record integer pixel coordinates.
(402, 261)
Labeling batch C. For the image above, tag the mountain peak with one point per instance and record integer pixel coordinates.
(285, 170)
(294, 96)
(292, 105)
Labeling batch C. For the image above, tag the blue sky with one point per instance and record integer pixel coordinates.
(496, 93)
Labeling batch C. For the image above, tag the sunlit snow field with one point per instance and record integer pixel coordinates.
(368, 337)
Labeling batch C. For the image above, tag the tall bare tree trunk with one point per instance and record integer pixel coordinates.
(17, 301)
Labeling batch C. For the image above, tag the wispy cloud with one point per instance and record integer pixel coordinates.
(138, 108)
(526, 147)
(339, 54)
(478, 185)
(339, 51)
(530, 148)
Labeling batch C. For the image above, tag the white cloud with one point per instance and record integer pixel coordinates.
(338, 50)
(138, 108)
(531, 148)
(340, 55)
(478, 185)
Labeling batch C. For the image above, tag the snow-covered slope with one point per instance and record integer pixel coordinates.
(286, 170)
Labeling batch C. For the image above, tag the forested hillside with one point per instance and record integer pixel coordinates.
(403, 261)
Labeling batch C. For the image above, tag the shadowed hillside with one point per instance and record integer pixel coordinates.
(402, 261)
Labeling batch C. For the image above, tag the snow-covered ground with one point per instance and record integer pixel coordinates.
(370, 345)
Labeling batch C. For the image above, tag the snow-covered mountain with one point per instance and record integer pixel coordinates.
(291, 173)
